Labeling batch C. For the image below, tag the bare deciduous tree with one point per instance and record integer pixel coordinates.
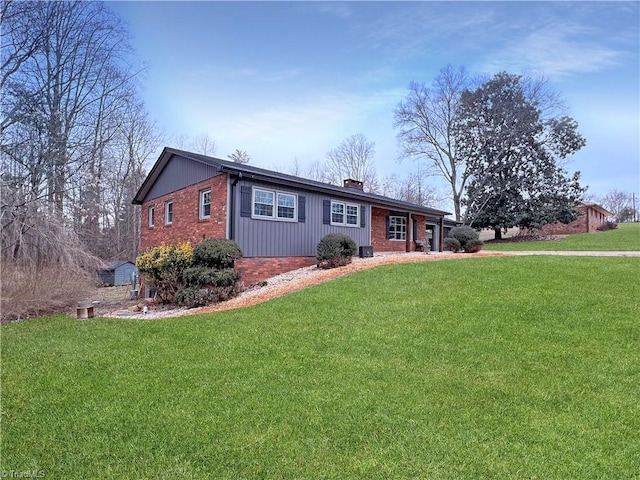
(353, 159)
(426, 119)
(58, 95)
(412, 188)
(619, 203)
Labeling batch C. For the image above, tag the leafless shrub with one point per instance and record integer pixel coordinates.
(44, 266)
(30, 291)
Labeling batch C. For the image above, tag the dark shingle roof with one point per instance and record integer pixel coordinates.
(249, 171)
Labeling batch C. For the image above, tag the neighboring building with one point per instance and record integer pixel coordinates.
(276, 219)
(117, 273)
(591, 217)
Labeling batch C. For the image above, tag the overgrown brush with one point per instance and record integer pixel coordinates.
(31, 291)
(45, 267)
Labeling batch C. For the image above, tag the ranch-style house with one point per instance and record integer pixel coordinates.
(275, 218)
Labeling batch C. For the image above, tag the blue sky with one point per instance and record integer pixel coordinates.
(292, 80)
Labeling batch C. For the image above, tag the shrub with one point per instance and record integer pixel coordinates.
(216, 253)
(452, 244)
(191, 297)
(33, 290)
(335, 250)
(467, 238)
(193, 276)
(473, 246)
(206, 285)
(608, 226)
(163, 268)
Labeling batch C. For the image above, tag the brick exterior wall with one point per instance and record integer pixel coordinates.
(257, 269)
(186, 223)
(421, 226)
(588, 221)
(379, 240)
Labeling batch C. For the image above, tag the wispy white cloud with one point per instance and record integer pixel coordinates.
(303, 128)
(335, 9)
(557, 52)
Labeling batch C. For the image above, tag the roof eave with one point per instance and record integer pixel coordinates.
(283, 179)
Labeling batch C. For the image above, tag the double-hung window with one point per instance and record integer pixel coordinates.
(273, 205)
(205, 203)
(152, 216)
(168, 212)
(397, 228)
(345, 214)
(286, 206)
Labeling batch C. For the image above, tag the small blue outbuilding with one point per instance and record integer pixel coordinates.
(117, 273)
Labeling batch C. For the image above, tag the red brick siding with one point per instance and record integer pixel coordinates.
(379, 240)
(421, 226)
(186, 223)
(588, 221)
(257, 269)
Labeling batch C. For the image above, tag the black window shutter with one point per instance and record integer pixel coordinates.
(387, 227)
(363, 213)
(245, 201)
(302, 214)
(326, 212)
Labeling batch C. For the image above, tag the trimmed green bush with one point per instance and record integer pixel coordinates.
(452, 244)
(216, 253)
(335, 250)
(473, 246)
(467, 237)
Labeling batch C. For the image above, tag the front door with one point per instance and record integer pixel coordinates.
(431, 229)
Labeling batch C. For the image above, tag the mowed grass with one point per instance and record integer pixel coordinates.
(495, 367)
(625, 238)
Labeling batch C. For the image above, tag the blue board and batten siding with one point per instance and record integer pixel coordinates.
(277, 238)
(118, 273)
(179, 173)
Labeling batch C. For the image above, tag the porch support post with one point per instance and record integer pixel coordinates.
(441, 235)
(409, 235)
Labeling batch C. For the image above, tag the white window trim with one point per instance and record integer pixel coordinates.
(274, 215)
(151, 212)
(201, 204)
(166, 212)
(406, 227)
(344, 209)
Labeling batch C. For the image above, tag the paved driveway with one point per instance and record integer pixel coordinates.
(575, 253)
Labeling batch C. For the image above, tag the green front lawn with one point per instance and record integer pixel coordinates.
(625, 238)
(496, 367)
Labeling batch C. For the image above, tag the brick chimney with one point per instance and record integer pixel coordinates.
(350, 183)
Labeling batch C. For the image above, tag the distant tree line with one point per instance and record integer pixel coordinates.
(75, 133)
(75, 136)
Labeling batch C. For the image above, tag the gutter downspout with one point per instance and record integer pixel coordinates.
(232, 208)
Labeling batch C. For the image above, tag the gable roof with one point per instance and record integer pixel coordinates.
(113, 265)
(251, 172)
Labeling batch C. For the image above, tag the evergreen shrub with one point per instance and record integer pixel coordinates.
(467, 237)
(452, 244)
(335, 250)
(193, 276)
(216, 253)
